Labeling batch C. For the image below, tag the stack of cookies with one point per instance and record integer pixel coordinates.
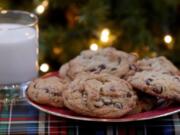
(109, 83)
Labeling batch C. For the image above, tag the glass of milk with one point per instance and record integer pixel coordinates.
(18, 51)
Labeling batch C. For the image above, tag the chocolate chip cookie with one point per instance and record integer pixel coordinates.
(107, 60)
(157, 84)
(47, 91)
(159, 64)
(100, 95)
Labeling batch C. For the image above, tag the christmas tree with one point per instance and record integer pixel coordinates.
(148, 28)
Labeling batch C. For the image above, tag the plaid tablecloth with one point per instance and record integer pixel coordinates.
(21, 118)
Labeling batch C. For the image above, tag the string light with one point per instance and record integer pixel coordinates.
(41, 8)
(94, 47)
(105, 35)
(3, 11)
(153, 54)
(44, 67)
(57, 50)
(167, 39)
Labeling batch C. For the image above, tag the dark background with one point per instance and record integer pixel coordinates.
(68, 27)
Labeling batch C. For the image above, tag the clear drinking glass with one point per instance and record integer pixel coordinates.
(18, 51)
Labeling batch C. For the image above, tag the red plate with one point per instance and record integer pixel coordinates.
(65, 113)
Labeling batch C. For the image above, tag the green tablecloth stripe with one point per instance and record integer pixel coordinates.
(4, 115)
(71, 131)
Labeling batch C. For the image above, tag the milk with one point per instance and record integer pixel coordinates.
(18, 53)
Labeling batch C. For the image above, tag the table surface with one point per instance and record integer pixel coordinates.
(22, 118)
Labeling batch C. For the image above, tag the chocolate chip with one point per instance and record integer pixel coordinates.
(112, 88)
(90, 57)
(35, 86)
(56, 94)
(177, 78)
(119, 60)
(112, 69)
(118, 105)
(132, 67)
(148, 81)
(102, 66)
(84, 96)
(46, 90)
(139, 69)
(101, 90)
(106, 101)
(92, 70)
(158, 90)
(128, 94)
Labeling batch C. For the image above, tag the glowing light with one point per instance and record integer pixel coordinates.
(167, 39)
(153, 54)
(40, 9)
(3, 11)
(44, 67)
(105, 35)
(94, 47)
(57, 50)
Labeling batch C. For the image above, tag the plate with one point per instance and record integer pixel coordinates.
(65, 113)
